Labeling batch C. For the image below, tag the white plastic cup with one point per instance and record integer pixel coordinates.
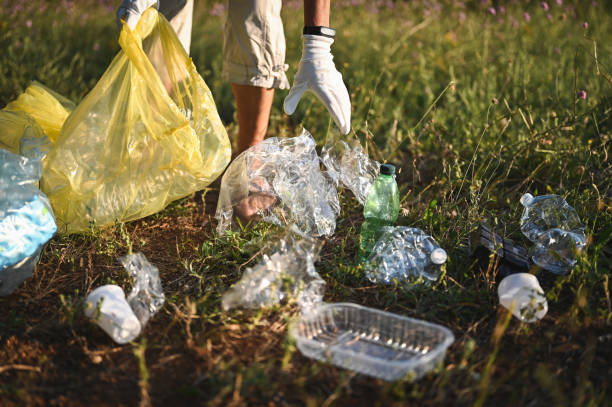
(521, 293)
(115, 317)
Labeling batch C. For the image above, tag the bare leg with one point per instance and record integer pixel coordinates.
(253, 104)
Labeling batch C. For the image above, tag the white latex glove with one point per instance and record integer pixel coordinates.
(317, 74)
(131, 11)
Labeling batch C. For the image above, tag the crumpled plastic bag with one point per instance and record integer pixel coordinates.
(281, 181)
(26, 219)
(46, 107)
(147, 296)
(288, 272)
(351, 167)
(404, 255)
(144, 136)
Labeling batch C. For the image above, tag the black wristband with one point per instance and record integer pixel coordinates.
(319, 30)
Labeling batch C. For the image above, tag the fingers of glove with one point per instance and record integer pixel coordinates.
(131, 19)
(344, 101)
(293, 98)
(336, 104)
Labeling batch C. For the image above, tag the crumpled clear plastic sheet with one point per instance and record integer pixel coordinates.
(26, 219)
(351, 167)
(147, 134)
(404, 255)
(147, 296)
(288, 272)
(279, 180)
(555, 228)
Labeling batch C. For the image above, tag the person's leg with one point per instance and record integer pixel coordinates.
(254, 64)
(253, 104)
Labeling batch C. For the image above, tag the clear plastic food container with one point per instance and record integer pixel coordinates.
(372, 342)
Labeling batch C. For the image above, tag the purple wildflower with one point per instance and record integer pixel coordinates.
(526, 16)
(217, 9)
(515, 23)
(491, 11)
(28, 23)
(545, 6)
(560, 2)
(502, 10)
(582, 94)
(585, 25)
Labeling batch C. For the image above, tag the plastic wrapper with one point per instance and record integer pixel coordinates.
(26, 219)
(406, 256)
(147, 296)
(288, 272)
(521, 293)
(351, 167)
(144, 136)
(555, 228)
(280, 181)
(46, 107)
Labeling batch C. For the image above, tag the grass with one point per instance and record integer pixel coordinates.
(474, 108)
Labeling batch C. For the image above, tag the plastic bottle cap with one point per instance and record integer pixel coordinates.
(387, 169)
(526, 199)
(438, 256)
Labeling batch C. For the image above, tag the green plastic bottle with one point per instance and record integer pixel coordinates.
(381, 209)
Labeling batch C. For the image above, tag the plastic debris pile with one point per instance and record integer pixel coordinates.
(26, 219)
(405, 255)
(123, 319)
(280, 181)
(288, 272)
(555, 229)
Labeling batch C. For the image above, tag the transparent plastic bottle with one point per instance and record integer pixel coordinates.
(381, 209)
(405, 255)
(555, 228)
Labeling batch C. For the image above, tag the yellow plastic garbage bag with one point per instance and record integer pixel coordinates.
(143, 137)
(48, 108)
(16, 126)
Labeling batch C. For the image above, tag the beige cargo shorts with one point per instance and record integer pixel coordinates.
(254, 40)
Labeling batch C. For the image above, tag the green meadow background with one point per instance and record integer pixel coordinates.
(475, 102)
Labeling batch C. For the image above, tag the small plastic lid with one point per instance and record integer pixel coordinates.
(387, 169)
(438, 256)
(526, 199)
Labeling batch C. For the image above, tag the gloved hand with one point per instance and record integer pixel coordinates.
(131, 11)
(317, 73)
